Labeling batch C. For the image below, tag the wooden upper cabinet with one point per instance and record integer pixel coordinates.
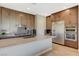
(28, 20)
(0, 17)
(23, 19)
(18, 18)
(0, 13)
(56, 17)
(8, 19)
(52, 18)
(11, 19)
(32, 21)
(71, 16)
(48, 22)
(5, 18)
(74, 16)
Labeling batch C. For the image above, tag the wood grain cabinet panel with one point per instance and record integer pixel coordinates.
(56, 17)
(28, 20)
(48, 22)
(0, 18)
(0, 13)
(18, 18)
(52, 18)
(70, 16)
(23, 19)
(74, 16)
(32, 21)
(11, 19)
(73, 44)
(5, 19)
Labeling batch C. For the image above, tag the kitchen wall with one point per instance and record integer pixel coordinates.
(40, 25)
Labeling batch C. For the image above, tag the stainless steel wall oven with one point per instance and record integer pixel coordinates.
(71, 34)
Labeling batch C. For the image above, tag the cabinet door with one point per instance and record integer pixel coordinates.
(12, 21)
(23, 19)
(27, 20)
(56, 17)
(48, 23)
(18, 18)
(32, 21)
(71, 17)
(52, 18)
(74, 16)
(0, 18)
(5, 19)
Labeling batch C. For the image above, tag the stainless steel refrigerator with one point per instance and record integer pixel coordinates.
(58, 32)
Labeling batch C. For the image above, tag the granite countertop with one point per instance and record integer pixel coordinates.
(21, 40)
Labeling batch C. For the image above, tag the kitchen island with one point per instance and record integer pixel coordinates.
(25, 46)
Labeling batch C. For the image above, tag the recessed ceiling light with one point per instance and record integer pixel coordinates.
(28, 8)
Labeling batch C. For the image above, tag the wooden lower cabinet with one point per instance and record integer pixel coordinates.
(73, 44)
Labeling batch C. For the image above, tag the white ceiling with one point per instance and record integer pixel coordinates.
(43, 9)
